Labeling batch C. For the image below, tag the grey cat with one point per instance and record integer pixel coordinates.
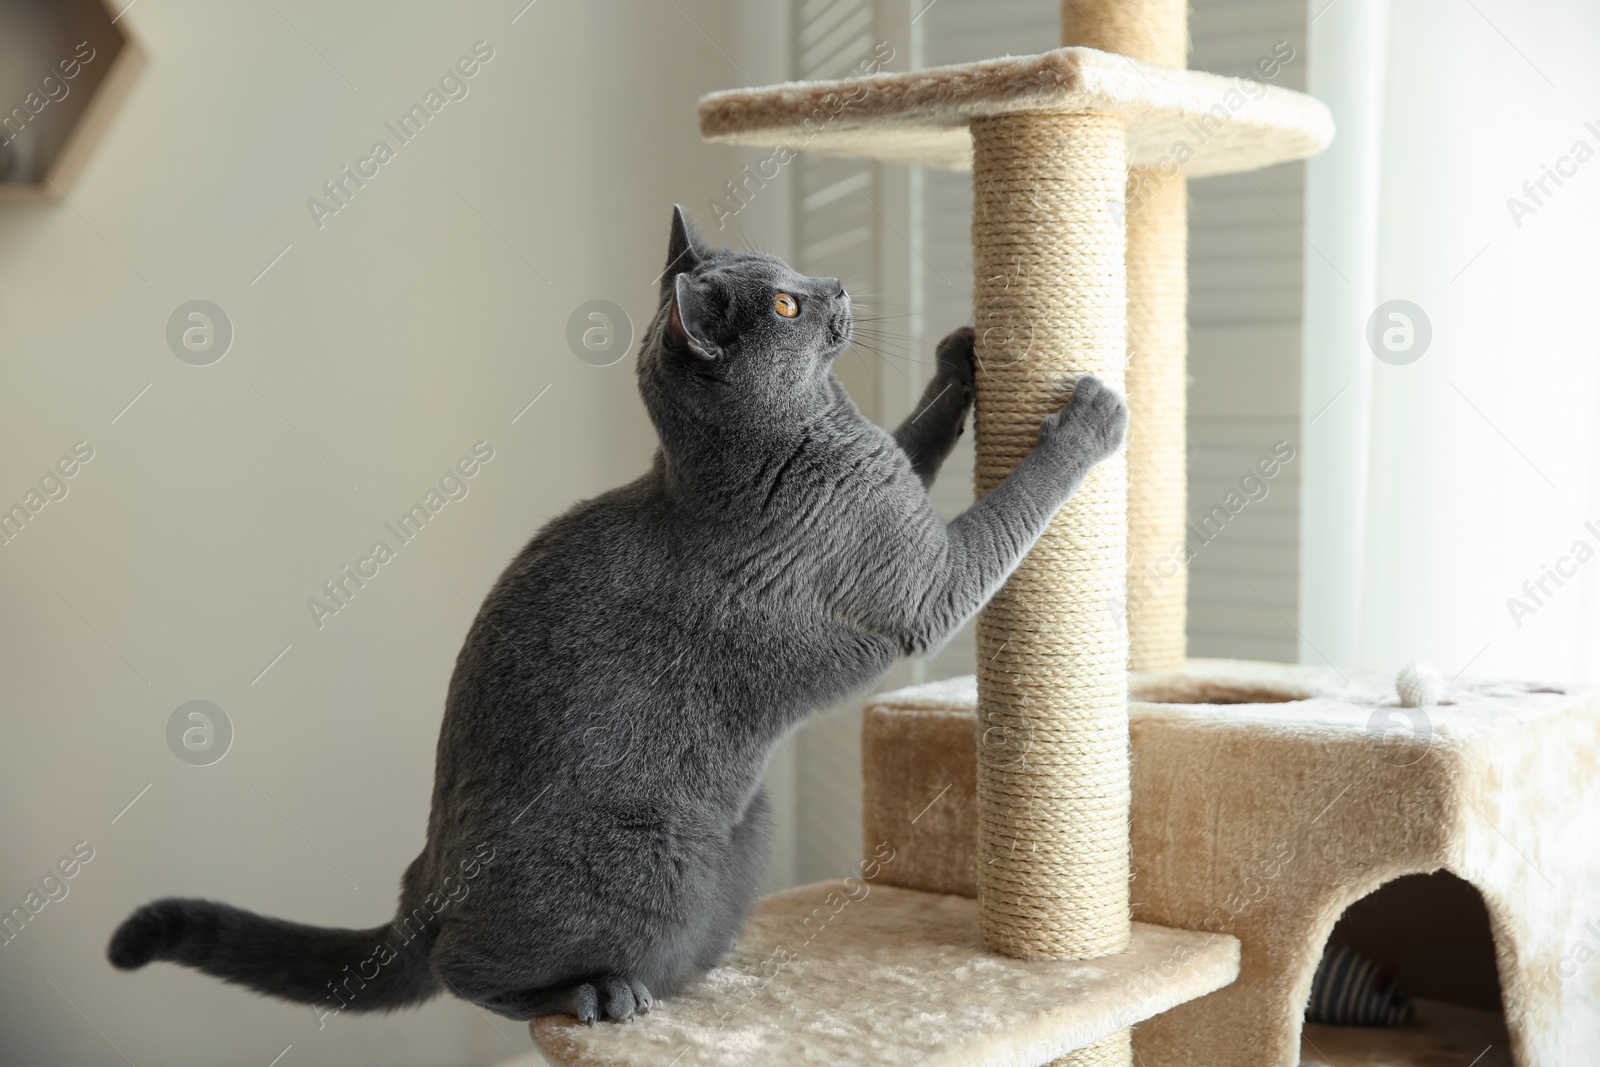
(599, 828)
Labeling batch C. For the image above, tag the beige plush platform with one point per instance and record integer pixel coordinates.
(1268, 819)
(1199, 123)
(858, 972)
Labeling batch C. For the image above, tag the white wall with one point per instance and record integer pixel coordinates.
(180, 563)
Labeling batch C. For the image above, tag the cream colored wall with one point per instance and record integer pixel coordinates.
(366, 360)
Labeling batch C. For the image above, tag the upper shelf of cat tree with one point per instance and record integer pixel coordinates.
(1203, 123)
(860, 972)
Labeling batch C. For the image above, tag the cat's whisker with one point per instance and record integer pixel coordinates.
(860, 296)
(854, 351)
(744, 238)
(887, 362)
(875, 308)
(900, 357)
(880, 331)
(890, 356)
(904, 340)
(908, 346)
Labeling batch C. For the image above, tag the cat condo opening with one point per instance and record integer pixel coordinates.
(1432, 933)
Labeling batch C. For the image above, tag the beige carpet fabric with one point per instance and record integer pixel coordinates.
(1266, 819)
(1176, 119)
(857, 972)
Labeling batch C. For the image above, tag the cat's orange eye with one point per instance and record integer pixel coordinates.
(785, 305)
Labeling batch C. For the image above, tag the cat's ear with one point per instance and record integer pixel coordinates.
(685, 250)
(688, 312)
(686, 320)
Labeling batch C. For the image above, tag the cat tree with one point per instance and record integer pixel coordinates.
(1261, 805)
(1078, 159)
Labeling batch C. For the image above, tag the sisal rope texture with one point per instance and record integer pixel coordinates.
(1050, 306)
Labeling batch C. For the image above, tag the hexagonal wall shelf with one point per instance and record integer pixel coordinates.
(65, 67)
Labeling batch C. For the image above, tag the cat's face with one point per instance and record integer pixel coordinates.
(743, 327)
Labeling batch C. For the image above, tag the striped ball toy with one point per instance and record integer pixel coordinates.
(1350, 989)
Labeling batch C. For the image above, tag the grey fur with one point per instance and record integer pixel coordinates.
(622, 689)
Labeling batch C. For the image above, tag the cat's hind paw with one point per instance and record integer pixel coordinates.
(612, 997)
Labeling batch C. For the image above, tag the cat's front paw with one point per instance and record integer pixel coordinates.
(612, 997)
(1089, 427)
(957, 360)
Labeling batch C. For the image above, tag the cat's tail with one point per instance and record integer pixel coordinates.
(359, 970)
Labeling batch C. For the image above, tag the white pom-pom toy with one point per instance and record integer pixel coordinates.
(1419, 685)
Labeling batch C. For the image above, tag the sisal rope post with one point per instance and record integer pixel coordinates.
(1152, 31)
(1155, 31)
(1113, 1051)
(1050, 306)
(1158, 491)
(1078, 268)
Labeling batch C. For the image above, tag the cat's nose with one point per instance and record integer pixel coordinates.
(833, 287)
